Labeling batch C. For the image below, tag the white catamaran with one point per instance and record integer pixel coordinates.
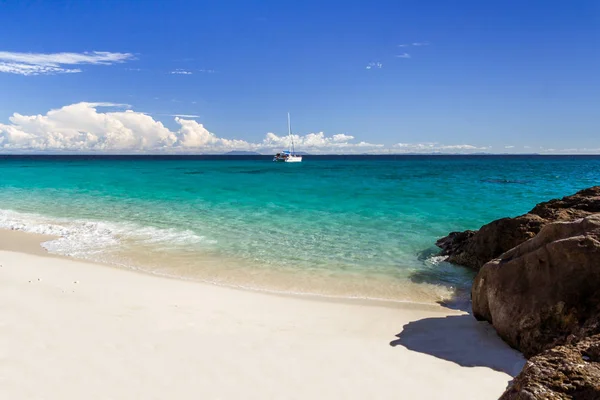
(290, 154)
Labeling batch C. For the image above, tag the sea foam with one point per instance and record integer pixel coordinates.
(84, 238)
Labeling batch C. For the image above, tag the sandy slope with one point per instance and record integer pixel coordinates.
(73, 330)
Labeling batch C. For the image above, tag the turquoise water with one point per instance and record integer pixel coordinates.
(357, 227)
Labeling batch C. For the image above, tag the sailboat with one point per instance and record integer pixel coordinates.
(290, 154)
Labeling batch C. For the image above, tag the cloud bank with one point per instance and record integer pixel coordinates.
(436, 147)
(56, 63)
(112, 128)
(83, 127)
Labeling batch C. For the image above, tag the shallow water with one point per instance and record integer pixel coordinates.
(342, 226)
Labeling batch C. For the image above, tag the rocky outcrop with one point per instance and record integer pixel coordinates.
(546, 291)
(474, 248)
(564, 372)
(539, 286)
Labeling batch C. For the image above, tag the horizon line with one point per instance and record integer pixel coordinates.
(253, 154)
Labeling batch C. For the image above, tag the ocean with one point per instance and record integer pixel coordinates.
(341, 226)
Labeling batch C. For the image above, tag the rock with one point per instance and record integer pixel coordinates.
(474, 248)
(563, 372)
(579, 205)
(452, 243)
(546, 291)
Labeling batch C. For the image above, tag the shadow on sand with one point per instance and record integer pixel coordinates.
(463, 340)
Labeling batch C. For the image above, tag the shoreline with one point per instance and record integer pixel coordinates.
(159, 332)
(18, 241)
(31, 243)
(25, 242)
(273, 282)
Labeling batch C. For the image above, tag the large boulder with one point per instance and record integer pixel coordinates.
(563, 372)
(546, 291)
(474, 248)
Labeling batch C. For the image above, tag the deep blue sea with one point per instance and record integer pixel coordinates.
(347, 226)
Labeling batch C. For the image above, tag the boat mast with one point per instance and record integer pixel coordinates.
(293, 150)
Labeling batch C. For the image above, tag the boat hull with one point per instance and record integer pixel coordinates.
(288, 159)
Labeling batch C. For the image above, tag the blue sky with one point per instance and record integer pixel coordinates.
(398, 75)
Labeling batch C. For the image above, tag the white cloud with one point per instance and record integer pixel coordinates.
(25, 69)
(436, 147)
(54, 63)
(404, 55)
(94, 57)
(416, 44)
(207, 71)
(83, 127)
(319, 143)
(180, 71)
(509, 147)
(374, 65)
(109, 104)
(184, 115)
(112, 127)
(570, 151)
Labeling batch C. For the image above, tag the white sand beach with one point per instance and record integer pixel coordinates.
(76, 330)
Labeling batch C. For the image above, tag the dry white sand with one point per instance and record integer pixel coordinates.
(74, 330)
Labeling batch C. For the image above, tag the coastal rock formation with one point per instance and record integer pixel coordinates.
(546, 291)
(539, 286)
(564, 372)
(474, 248)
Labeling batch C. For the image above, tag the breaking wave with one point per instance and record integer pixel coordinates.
(85, 238)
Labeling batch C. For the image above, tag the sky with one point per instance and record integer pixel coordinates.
(357, 76)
